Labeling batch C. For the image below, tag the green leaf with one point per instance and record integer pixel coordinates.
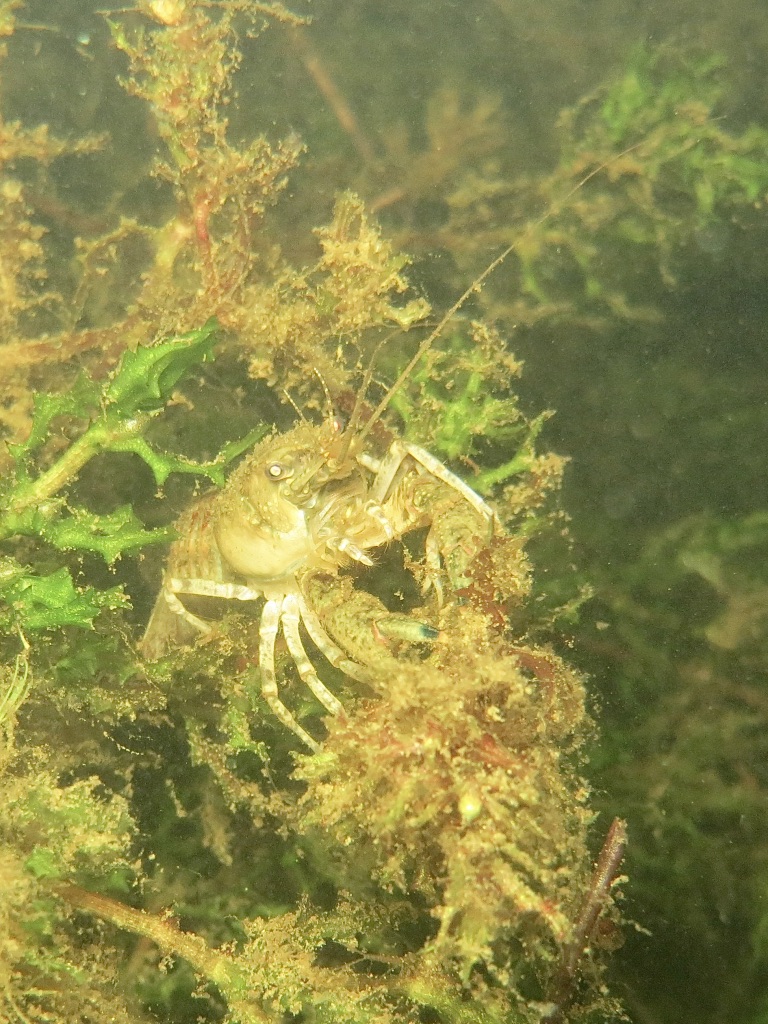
(162, 464)
(146, 378)
(139, 388)
(44, 863)
(234, 448)
(47, 602)
(109, 534)
(80, 400)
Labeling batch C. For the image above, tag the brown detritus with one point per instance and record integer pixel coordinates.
(530, 492)
(500, 578)
(356, 286)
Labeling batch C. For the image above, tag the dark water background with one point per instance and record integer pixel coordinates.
(665, 419)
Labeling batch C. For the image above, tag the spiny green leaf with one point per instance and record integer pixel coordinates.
(145, 379)
(162, 464)
(80, 400)
(110, 534)
(234, 448)
(47, 602)
(140, 387)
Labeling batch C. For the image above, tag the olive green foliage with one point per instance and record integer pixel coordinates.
(657, 202)
(73, 838)
(166, 850)
(646, 161)
(465, 410)
(32, 504)
(136, 791)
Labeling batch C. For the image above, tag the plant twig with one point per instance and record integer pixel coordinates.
(214, 966)
(598, 894)
(332, 94)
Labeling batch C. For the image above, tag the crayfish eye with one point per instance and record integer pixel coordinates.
(277, 471)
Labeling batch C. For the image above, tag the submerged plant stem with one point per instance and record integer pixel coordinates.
(210, 964)
(605, 874)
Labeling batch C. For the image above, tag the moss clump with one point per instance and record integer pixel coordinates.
(432, 861)
(458, 788)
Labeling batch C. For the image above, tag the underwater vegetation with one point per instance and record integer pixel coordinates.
(353, 787)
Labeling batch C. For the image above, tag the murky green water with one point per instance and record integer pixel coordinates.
(641, 321)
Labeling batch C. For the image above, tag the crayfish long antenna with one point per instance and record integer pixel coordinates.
(432, 337)
(357, 408)
(475, 286)
(330, 411)
(294, 406)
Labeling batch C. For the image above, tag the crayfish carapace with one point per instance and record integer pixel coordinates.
(313, 500)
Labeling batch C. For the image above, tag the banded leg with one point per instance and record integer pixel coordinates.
(290, 618)
(392, 462)
(172, 624)
(330, 650)
(268, 627)
(460, 522)
(203, 588)
(180, 609)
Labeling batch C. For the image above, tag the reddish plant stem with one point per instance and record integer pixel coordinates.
(598, 895)
(332, 94)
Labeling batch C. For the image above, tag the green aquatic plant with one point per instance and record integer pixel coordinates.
(132, 786)
(433, 859)
(345, 939)
(77, 852)
(650, 159)
(31, 500)
(463, 402)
